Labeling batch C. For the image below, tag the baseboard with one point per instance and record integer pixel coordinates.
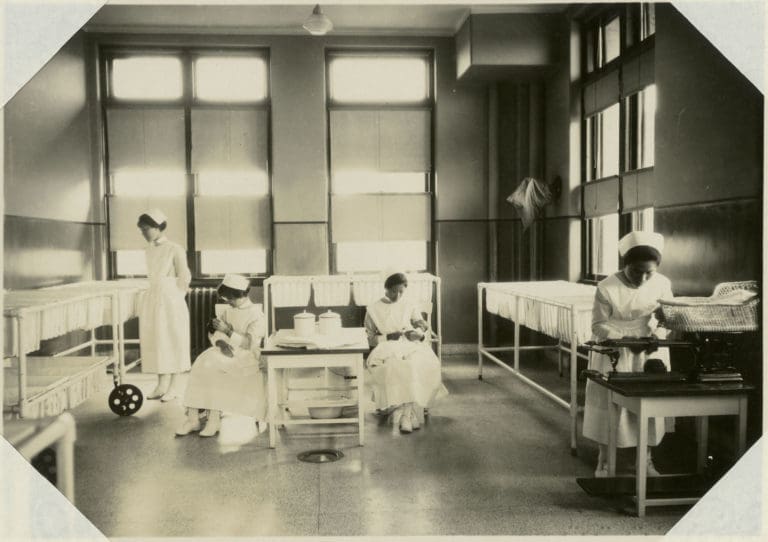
(459, 348)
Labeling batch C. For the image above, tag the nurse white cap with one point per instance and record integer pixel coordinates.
(157, 215)
(236, 282)
(641, 238)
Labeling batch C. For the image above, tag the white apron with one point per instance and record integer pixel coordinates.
(622, 311)
(237, 384)
(163, 314)
(401, 371)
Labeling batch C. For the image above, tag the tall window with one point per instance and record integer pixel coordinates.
(619, 104)
(380, 119)
(187, 132)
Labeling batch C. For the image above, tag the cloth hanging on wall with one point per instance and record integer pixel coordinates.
(530, 196)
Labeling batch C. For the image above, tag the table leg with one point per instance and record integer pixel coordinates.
(741, 434)
(613, 419)
(361, 400)
(642, 460)
(272, 404)
(702, 439)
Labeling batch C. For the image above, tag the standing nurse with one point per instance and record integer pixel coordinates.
(164, 316)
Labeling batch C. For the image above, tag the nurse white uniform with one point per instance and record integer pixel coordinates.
(236, 385)
(621, 310)
(163, 313)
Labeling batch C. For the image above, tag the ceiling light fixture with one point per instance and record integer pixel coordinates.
(317, 23)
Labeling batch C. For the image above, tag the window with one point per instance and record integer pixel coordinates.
(603, 43)
(603, 243)
(603, 144)
(642, 219)
(204, 149)
(619, 101)
(146, 78)
(380, 122)
(640, 115)
(641, 22)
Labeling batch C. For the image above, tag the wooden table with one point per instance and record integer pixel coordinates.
(672, 399)
(278, 359)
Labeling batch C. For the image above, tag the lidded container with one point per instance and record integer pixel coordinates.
(330, 323)
(304, 324)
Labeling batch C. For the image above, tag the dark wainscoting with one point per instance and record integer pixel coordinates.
(40, 252)
(711, 243)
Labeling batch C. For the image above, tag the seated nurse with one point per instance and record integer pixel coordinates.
(624, 306)
(227, 376)
(404, 371)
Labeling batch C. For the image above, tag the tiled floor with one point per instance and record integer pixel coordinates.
(493, 459)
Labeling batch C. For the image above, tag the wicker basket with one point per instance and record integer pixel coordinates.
(714, 317)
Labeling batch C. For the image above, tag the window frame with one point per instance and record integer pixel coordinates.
(428, 103)
(187, 54)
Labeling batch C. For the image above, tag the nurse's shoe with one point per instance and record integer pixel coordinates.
(213, 424)
(650, 469)
(601, 471)
(163, 385)
(406, 425)
(415, 423)
(189, 426)
(397, 417)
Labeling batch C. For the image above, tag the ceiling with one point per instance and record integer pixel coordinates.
(348, 18)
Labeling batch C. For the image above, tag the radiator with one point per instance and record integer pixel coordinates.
(201, 309)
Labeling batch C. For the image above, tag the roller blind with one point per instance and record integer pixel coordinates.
(387, 140)
(637, 73)
(232, 223)
(229, 140)
(143, 138)
(602, 93)
(124, 212)
(601, 197)
(381, 217)
(637, 190)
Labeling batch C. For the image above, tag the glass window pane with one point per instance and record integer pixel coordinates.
(590, 50)
(379, 79)
(642, 219)
(609, 142)
(647, 118)
(589, 148)
(131, 262)
(375, 256)
(247, 262)
(147, 78)
(230, 79)
(648, 24)
(149, 183)
(232, 183)
(612, 41)
(366, 181)
(604, 233)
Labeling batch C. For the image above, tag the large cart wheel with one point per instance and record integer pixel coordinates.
(125, 400)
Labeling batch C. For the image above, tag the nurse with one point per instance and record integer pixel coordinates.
(624, 306)
(228, 376)
(404, 370)
(163, 315)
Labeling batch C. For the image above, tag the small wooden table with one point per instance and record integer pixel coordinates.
(672, 399)
(280, 358)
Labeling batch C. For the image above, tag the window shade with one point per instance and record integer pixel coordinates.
(124, 212)
(637, 190)
(637, 73)
(602, 93)
(601, 197)
(233, 139)
(232, 223)
(388, 140)
(381, 217)
(148, 139)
